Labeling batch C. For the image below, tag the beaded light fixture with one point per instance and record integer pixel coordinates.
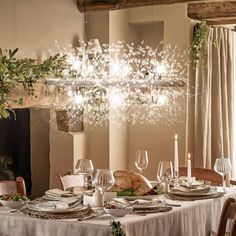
(139, 83)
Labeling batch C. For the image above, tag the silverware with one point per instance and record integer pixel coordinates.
(88, 216)
(167, 204)
(173, 205)
(133, 203)
(74, 203)
(19, 209)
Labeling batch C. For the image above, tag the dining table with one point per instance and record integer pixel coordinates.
(191, 218)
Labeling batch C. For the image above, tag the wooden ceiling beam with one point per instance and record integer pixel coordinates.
(223, 12)
(106, 5)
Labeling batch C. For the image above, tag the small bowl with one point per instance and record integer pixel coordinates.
(118, 212)
(13, 204)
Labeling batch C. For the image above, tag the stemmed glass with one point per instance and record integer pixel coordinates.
(223, 167)
(103, 180)
(165, 174)
(85, 168)
(141, 160)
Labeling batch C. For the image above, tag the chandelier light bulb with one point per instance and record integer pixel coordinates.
(115, 68)
(160, 69)
(69, 92)
(127, 70)
(79, 99)
(76, 65)
(90, 68)
(116, 99)
(162, 99)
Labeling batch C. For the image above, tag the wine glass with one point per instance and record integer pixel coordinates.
(141, 160)
(165, 173)
(85, 168)
(223, 167)
(103, 180)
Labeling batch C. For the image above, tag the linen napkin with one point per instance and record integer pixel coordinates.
(53, 205)
(141, 202)
(57, 193)
(202, 189)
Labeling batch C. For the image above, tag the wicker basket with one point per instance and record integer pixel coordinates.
(66, 123)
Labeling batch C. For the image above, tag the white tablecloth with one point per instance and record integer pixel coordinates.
(196, 218)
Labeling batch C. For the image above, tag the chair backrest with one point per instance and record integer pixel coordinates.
(203, 174)
(228, 213)
(70, 181)
(10, 186)
(232, 181)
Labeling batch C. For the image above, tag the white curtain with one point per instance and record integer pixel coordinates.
(234, 109)
(213, 100)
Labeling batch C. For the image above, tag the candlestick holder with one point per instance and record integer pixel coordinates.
(176, 174)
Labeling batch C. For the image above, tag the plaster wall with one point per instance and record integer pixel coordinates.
(33, 26)
(97, 27)
(170, 24)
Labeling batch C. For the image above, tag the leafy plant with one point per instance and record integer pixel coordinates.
(116, 228)
(15, 72)
(199, 41)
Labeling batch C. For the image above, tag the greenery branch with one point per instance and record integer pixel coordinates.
(15, 72)
(116, 228)
(199, 41)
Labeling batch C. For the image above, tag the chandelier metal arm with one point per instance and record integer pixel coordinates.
(137, 83)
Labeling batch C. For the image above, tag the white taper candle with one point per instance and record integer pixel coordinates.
(189, 172)
(176, 154)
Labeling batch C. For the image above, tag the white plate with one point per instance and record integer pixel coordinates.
(63, 199)
(14, 204)
(148, 197)
(55, 210)
(148, 206)
(118, 212)
(194, 194)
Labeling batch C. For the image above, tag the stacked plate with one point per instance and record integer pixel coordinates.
(60, 195)
(44, 211)
(144, 205)
(194, 193)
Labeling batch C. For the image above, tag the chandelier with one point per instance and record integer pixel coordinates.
(137, 83)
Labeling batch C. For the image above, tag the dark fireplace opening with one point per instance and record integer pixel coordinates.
(15, 147)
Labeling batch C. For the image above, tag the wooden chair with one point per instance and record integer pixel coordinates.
(10, 186)
(207, 175)
(228, 213)
(70, 181)
(233, 182)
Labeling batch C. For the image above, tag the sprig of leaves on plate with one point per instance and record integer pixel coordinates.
(126, 192)
(130, 192)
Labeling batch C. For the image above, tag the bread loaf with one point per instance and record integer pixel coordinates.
(131, 180)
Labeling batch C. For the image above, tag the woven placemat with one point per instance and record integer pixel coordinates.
(173, 196)
(79, 214)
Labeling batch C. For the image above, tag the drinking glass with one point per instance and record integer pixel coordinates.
(141, 160)
(165, 173)
(85, 168)
(103, 180)
(223, 167)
